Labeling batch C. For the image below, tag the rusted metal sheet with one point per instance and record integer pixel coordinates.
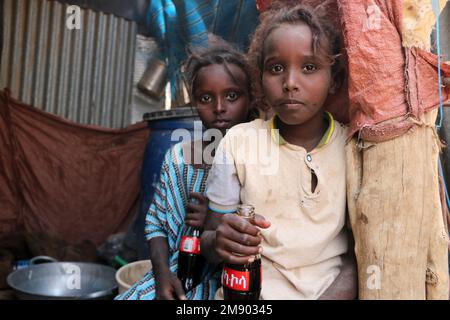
(84, 75)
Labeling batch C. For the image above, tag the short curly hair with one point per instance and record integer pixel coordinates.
(326, 41)
(218, 52)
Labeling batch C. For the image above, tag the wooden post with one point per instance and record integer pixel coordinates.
(393, 196)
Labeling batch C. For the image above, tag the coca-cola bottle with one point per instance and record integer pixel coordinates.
(190, 261)
(243, 282)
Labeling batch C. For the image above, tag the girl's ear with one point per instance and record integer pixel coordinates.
(337, 81)
(333, 88)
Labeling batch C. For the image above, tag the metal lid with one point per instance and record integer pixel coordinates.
(246, 211)
(185, 111)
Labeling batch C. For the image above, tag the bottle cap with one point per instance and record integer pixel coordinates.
(246, 211)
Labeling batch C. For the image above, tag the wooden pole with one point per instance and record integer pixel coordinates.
(393, 196)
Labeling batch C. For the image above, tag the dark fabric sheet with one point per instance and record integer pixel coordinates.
(72, 181)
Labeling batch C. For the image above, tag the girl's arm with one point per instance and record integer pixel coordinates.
(227, 237)
(168, 287)
(208, 239)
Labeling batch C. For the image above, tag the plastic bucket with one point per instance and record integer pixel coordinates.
(131, 273)
(162, 124)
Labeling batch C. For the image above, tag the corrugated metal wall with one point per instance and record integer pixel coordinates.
(83, 75)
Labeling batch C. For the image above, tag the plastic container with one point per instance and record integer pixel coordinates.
(131, 273)
(162, 124)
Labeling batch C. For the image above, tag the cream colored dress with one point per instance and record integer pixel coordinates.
(302, 249)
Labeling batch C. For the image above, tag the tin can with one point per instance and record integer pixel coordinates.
(153, 81)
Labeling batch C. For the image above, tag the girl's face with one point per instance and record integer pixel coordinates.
(221, 101)
(295, 84)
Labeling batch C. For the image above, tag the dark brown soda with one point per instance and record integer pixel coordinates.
(243, 282)
(190, 270)
(191, 263)
(254, 286)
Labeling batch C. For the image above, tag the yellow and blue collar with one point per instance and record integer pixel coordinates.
(325, 139)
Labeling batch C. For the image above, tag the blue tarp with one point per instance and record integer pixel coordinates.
(176, 24)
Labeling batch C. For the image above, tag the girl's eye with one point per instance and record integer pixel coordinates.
(206, 98)
(276, 68)
(231, 96)
(309, 68)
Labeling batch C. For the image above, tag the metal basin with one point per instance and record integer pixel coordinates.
(64, 280)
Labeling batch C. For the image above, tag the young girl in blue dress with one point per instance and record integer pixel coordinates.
(219, 86)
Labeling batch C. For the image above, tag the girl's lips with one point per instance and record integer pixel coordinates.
(291, 106)
(290, 103)
(221, 123)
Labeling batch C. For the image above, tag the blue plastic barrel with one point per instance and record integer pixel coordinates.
(162, 124)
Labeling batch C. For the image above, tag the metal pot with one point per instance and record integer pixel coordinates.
(42, 259)
(64, 281)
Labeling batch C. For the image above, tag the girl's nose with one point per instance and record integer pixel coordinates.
(290, 83)
(220, 106)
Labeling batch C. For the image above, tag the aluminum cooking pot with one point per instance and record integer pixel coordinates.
(42, 259)
(64, 280)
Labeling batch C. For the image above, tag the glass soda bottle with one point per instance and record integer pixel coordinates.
(190, 261)
(243, 282)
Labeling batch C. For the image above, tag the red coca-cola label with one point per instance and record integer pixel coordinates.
(190, 245)
(236, 280)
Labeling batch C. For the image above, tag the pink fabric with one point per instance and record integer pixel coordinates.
(386, 80)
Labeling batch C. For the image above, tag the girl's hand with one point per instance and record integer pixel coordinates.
(168, 287)
(237, 240)
(196, 210)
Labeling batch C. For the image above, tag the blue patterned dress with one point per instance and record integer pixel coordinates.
(165, 218)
